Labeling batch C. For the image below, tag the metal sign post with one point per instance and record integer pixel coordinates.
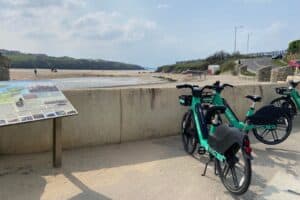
(57, 146)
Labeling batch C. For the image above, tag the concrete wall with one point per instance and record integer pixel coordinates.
(109, 116)
(264, 74)
(281, 73)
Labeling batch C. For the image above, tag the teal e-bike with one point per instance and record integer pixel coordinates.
(270, 124)
(228, 147)
(290, 98)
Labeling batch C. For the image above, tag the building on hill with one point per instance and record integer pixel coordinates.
(4, 68)
(213, 69)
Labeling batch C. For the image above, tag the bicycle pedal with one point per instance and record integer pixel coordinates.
(201, 150)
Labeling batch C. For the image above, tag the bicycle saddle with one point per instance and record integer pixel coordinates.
(254, 98)
(294, 83)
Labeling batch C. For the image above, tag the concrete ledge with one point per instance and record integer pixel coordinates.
(109, 116)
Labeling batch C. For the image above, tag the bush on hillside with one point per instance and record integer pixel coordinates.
(228, 66)
(294, 47)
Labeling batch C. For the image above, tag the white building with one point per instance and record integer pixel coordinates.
(212, 69)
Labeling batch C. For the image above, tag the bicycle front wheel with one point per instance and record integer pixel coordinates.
(235, 173)
(189, 133)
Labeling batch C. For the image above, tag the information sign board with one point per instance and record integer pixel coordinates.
(26, 101)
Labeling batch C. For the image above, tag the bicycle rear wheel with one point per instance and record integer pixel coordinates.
(275, 136)
(235, 173)
(189, 133)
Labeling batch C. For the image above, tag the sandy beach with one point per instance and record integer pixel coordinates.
(28, 74)
(163, 79)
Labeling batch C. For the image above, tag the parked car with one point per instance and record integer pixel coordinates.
(294, 63)
(278, 56)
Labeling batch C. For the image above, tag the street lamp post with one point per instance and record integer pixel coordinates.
(235, 33)
(248, 41)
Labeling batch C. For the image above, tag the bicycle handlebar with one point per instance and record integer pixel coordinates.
(210, 87)
(294, 84)
(196, 90)
(219, 88)
(227, 85)
(186, 86)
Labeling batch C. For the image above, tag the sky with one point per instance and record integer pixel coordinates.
(146, 32)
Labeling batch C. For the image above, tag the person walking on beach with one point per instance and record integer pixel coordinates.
(35, 72)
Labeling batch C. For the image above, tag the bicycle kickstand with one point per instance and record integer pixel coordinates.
(216, 173)
(206, 164)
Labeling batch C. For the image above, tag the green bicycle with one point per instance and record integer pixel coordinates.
(228, 147)
(270, 125)
(290, 98)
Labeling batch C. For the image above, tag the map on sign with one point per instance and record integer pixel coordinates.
(25, 101)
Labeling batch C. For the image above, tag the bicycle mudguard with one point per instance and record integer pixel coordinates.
(225, 138)
(267, 115)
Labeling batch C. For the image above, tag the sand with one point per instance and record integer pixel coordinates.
(28, 74)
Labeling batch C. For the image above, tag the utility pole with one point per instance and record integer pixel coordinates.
(248, 42)
(235, 35)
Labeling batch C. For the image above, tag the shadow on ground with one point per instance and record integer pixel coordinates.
(26, 172)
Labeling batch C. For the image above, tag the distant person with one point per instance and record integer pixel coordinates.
(35, 72)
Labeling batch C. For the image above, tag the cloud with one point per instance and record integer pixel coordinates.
(162, 6)
(111, 26)
(264, 38)
(254, 1)
(41, 3)
(57, 20)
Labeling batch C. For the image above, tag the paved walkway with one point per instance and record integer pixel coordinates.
(153, 169)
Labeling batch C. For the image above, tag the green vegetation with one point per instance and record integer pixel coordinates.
(180, 67)
(22, 60)
(279, 62)
(293, 51)
(227, 66)
(294, 47)
(248, 73)
(225, 60)
(3, 59)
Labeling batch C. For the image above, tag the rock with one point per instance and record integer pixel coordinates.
(264, 74)
(281, 73)
(4, 68)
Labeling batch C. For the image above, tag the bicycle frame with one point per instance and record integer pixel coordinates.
(203, 141)
(232, 118)
(296, 98)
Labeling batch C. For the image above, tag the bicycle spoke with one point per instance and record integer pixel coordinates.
(242, 180)
(263, 134)
(187, 142)
(281, 126)
(234, 177)
(226, 170)
(274, 135)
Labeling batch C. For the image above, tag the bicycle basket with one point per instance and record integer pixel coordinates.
(282, 90)
(185, 100)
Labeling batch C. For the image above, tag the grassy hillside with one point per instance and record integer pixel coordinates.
(225, 60)
(22, 60)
